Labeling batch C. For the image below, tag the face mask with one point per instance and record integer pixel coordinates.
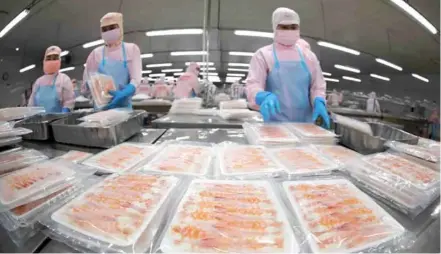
(51, 67)
(287, 37)
(111, 36)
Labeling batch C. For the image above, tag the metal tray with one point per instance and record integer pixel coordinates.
(67, 131)
(40, 126)
(368, 144)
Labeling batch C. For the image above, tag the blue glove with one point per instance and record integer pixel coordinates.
(269, 104)
(320, 110)
(65, 110)
(120, 97)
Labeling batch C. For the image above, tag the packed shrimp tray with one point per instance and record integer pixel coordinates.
(229, 216)
(339, 154)
(117, 210)
(269, 134)
(338, 217)
(311, 131)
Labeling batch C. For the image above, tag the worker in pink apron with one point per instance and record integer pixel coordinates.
(187, 85)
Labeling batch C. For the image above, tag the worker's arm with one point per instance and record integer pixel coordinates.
(67, 93)
(318, 83)
(31, 101)
(91, 67)
(135, 64)
(256, 80)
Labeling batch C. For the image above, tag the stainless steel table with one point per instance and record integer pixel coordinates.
(147, 136)
(194, 121)
(204, 135)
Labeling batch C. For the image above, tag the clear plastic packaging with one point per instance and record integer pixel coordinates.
(303, 161)
(100, 85)
(230, 217)
(120, 214)
(337, 217)
(186, 106)
(9, 141)
(429, 153)
(14, 132)
(339, 154)
(75, 156)
(183, 158)
(233, 104)
(21, 236)
(244, 161)
(10, 114)
(38, 181)
(269, 134)
(237, 114)
(121, 158)
(17, 159)
(5, 126)
(309, 130)
(108, 117)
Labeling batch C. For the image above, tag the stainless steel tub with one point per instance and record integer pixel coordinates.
(40, 126)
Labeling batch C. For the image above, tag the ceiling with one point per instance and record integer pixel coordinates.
(377, 28)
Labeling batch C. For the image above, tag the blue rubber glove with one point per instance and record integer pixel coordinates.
(65, 110)
(120, 97)
(320, 110)
(269, 104)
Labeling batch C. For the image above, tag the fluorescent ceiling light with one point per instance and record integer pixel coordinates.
(332, 80)
(146, 72)
(209, 69)
(240, 70)
(379, 77)
(84, 65)
(148, 55)
(14, 22)
(172, 70)
(338, 47)
(174, 32)
(352, 79)
(157, 75)
(232, 79)
(27, 68)
(326, 73)
(93, 43)
(158, 65)
(235, 75)
(238, 65)
(420, 77)
(178, 73)
(67, 69)
(384, 62)
(213, 79)
(253, 33)
(64, 53)
(17, 49)
(200, 63)
(237, 53)
(347, 68)
(415, 14)
(188, 53)
(210, 74)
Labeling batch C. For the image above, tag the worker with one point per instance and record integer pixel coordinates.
(119, 59)
(335, 98)
(372, 104)
(160, 89)
(285, 81)
(434, 130)
(304, 45)
(53, 90)
(75, 88)
(188, 83)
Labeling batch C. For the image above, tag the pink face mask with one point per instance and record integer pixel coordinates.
(51, 67)
(287, 37)
(111, 36)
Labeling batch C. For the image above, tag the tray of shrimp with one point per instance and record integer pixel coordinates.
(337, 217)
(184, 158)
(401, 169)
(269, 134)
(310, 130)
(100, 85)
(117, 210)
(241, 160)
(339, 154)
(303, 161)
(75, 156)
(121, 158)
(229, 216)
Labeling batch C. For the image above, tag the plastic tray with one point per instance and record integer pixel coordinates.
(19, 158)
(263, 134)
(341, 155)
(120, 158)
(14, 132)
(335, 216)
(430, 153)
(100, 85)
(9, 141)
(309, 130)
(229, 216)
(75, 156)
(39, 124)
(10, 114)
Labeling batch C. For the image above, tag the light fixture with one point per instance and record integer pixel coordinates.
(188, 53)
(232, 79)
(84, 65)
(178, 73)
(237, 53)
(14, 22)
(209, 74)
(208, 69)
(352, 79)
(235, 75)
(157, 75)
(146, 72)
(27, 68)
(384, 62)
(17, 49)
(347, 68)
(158, 65)
(213, 79)
(379, 77)
(326, 73)
(338, 47)
(332, 80)
(415, 14)
(238, 65)
(201, 63)
(239, 70)
(420, 77)
(172, 70)
(93, 43)
(64, 53)
(67, 69)
(149, 55)
(174, 32)
(253, 33)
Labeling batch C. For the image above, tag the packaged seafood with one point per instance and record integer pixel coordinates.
(310, 130)
(245, 160)
(429, 152)
(338, 217)
(339, 154)
(14, 132)
(108, 117)
(17, 159)
(230, 217)
(303, 161)
(186, 106)
(183, 158)
(268, 134)
(100, 85)
(116, 211)
(233, 104)
(15, 113)
(120, 158)
(75, 156)
(237, 114)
